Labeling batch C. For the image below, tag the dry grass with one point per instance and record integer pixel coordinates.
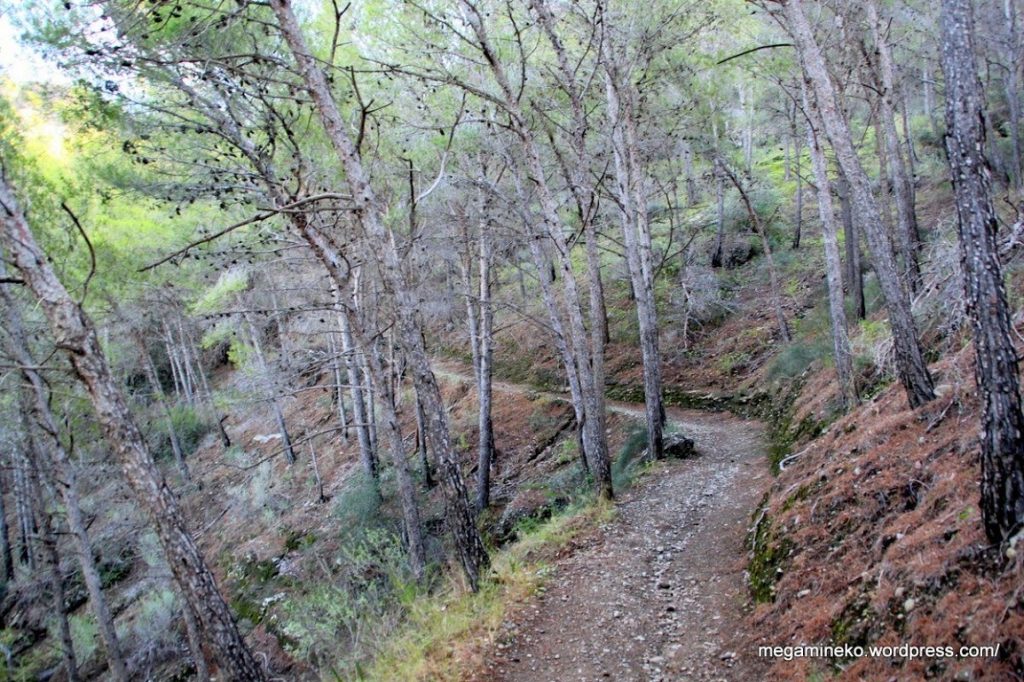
(883, 509)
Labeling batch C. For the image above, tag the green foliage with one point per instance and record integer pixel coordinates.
(295, 540)
(357, 507)
(874, 331)
(733, 361)
(151, 627)
(853, 625)
(240, 353)
(335, 624)
(795, 358)
(29, 665)
(188, 424)
(227, 285)
(248, 579)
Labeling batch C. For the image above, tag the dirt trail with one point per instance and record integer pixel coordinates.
(657, 594)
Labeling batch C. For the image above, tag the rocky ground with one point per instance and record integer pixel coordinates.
(659, 593)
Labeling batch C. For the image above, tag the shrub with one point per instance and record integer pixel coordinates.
(798, 356)
(188, 424)
(625, 465)
(153, 630)
(358, 506)
(365, 600)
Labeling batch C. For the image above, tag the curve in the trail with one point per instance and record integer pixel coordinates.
(659, 593)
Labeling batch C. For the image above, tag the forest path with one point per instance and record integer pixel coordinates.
(658, 593)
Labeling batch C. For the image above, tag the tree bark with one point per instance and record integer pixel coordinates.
(67, 644)
(558, 328)
(798, 211)
(485, 452)
(833, 266)
(6, 555)
(589, 353)
(908, 236)
(421, 444)
(692, 195)
(367, 453)
(996, 370)
(403, 476)
(195, 644)
(339, 385)
(75, 333)
(24, 509)
(637, 239)
(716, 254)
(1012, 88)
(851, 240)
(910, 364)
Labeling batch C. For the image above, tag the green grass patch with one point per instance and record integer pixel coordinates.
(444, 631)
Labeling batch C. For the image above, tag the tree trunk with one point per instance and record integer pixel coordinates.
(851, 240)
(205, 393)
(568, 361)
(996, 370)
(716, 254)
(6, 555)
(339, 385)
(367, 453)
(189, 361)
(75, 333)
(270, 386)
(461, 520)
(320, 497)
(372, 394)
(908, 145)
(908, 236)
(692, 196)
(23, 509)
(911, 367)
(51, 555)
(589, 353)
(172, 360)
(403, 476)
(637, 240)
(833, 266)
(225, 440)
(158, 394)
(1012, 88)
(798, 215)
(195, 644)
(926, 86)
(56, 576)
(486, 353)
(421, 444)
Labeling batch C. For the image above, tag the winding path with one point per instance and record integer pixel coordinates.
(659, 593)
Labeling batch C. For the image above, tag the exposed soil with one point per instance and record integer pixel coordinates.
(659, 593)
